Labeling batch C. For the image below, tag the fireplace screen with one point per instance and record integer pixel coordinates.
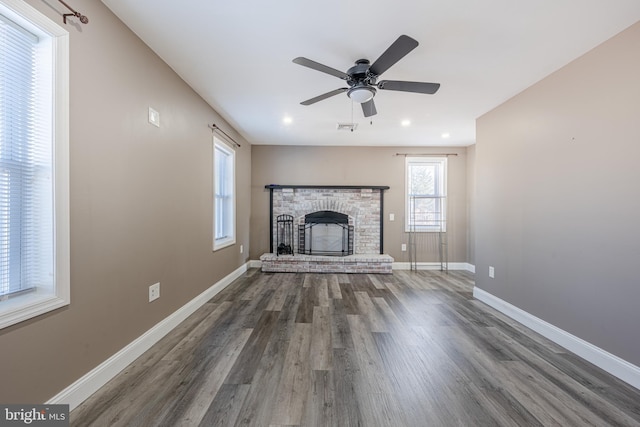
(325, 233)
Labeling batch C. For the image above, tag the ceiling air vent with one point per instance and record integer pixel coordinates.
(347, 126)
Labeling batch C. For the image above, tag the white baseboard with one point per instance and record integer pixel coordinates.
(88, 384)
(434, 266)
(611, 363)
(255, 263)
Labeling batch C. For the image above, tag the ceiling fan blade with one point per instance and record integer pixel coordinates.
(320, 67)
(369, 108)
(324, 96)
(417, 87)
(395, 52)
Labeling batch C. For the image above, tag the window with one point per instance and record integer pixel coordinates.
(224, 200)
(34, 209)
(426, 194)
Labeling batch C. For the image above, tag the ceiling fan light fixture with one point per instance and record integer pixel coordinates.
(361, 94)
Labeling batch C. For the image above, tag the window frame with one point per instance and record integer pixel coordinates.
(27, 305)
(230, 211)
(440, 193)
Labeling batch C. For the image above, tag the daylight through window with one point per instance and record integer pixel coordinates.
(426, 194)
(224, 195)
(33, 164)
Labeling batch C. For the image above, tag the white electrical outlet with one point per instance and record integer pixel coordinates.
(241, 249)
(492, 272)
(404, 247)
(154, 292)
(392, 217)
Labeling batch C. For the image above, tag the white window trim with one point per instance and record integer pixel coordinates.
(230, 240)
(23, 307)
(426, 229)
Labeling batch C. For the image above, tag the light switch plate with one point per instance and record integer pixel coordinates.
(154, 117)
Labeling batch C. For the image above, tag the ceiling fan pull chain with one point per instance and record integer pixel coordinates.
(352, 115)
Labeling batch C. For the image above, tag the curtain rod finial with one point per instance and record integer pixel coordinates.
(78, 15)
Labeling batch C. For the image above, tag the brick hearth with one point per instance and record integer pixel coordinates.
(368, 263)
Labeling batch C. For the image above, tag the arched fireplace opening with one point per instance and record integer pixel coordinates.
(325, 233)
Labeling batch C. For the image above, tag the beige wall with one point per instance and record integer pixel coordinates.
(357, 166)
(140, 208)
(558, 198)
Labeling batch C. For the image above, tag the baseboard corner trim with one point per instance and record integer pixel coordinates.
(255, 263)
(611, 363)
(89, 383)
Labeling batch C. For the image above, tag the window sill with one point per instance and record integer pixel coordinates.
(24, 307)
(425, 230)
(223, 243)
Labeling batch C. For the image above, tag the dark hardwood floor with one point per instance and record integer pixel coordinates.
(408, 349)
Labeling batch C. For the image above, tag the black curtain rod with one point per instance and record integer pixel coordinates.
(215, 128)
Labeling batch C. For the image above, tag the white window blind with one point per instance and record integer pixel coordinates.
(26, 193)
(224, 195)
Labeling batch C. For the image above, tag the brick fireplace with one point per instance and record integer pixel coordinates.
(360, 209)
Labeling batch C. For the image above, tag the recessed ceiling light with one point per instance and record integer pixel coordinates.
(405, 122)
(287, 120)
(445, 135)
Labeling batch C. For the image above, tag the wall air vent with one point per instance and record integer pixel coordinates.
(347, 126)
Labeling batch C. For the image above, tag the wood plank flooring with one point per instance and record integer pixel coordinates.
(407, 349)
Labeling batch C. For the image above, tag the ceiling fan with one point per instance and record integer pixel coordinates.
(362, 77)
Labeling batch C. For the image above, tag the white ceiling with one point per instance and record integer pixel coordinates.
(237, 55)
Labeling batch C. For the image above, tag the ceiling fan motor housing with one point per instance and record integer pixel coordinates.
(359, 73)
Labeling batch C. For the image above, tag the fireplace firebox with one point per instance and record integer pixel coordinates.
(325, 233)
